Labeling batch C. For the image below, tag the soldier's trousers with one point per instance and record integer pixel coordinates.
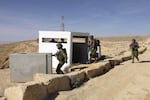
(93, 53)
(135, 55)
(58, 70)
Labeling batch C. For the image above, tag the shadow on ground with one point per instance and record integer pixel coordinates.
(145, 61)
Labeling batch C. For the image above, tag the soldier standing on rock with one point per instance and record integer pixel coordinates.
(134, 50)
(61, 55)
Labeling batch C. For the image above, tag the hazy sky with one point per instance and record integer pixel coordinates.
(22, 19)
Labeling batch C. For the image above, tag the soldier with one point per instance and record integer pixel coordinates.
(93, 49)
(61, 55)
(134, 50)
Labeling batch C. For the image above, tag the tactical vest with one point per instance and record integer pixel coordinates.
(134, 46)
(60, 55)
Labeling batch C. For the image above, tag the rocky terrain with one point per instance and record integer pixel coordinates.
(127, 81)
(111, 46)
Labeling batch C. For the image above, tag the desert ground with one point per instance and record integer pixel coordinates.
(127, 81)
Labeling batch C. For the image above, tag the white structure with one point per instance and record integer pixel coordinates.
(76, 44)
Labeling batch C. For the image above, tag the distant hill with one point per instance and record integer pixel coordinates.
(124, 38)
(18, 47)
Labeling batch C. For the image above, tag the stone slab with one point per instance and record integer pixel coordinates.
(76, 78)
(29, 91)
(54, 82)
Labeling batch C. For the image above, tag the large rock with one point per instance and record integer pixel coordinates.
(115, 61)
(54, 82)
(28, 91)
(97, 69)
(2, 98)
(78, 67)
(126, 56)
(76, 78)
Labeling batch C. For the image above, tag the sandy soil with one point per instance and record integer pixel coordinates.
(127, 81)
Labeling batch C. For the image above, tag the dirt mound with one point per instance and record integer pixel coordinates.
(19, 47)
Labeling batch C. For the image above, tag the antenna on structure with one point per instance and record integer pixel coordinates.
(62, 23)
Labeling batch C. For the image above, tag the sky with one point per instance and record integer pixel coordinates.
(22, 19)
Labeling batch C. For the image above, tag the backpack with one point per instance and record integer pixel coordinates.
(60, 56)
(64, 50)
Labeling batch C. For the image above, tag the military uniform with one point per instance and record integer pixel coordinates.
(93, 48)
(134, 50)
(61, 56)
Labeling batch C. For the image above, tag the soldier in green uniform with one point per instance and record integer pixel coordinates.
(134, 50)
(93, 49)
(61, 56)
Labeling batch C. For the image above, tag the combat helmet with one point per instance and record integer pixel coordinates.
(91, 36)
(133, 40)
(59, 45)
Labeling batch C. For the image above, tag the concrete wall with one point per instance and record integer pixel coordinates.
(23, 66)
